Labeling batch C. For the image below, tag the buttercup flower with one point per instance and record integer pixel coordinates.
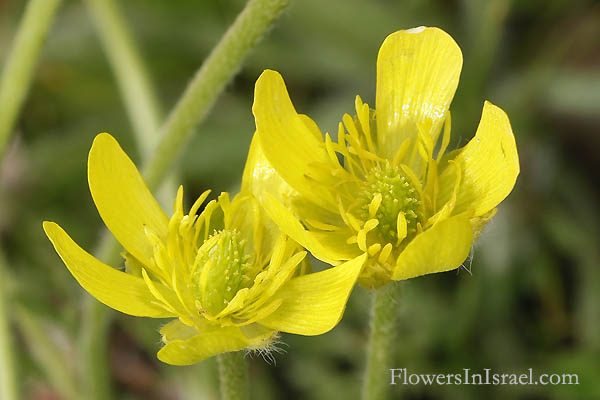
(386, 187)
(231, 280)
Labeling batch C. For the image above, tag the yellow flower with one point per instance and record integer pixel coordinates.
(231, 281)
(386, 187)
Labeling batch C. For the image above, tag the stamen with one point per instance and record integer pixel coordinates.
(401, 227)
(362, 240)
(374, 205)
(370, 225)
(373, 249)
(385, 253)
(198, 203)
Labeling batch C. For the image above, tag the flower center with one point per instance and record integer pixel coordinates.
(387, 192)
(223, 272)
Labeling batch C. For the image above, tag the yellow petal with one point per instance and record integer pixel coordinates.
(177, 330)
(417, 75)
(209, 342)
(122, 198)
(313, 304)
(329, 247)
(442, 248)
(288, 142)
(489, 163)
(260, 176)
(119, 290)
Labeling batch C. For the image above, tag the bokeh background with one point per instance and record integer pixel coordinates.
(528, 298)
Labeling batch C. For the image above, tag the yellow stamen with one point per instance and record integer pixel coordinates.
(385, 253)
(401, 227)
(373, 249)
(374, 205)
(362, 240)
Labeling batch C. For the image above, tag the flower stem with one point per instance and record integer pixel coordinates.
(233, 373)
(9, 389)
(17, 73)
(384, 318)
(210, 80)
(201, 93)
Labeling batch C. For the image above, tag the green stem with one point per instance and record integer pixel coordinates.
(18, 71)
(384, 319)
(9, 389)
(218, 69)
(233, 373)
(132, 76)
(209, 82)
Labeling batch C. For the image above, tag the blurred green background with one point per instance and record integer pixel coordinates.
(528, 298)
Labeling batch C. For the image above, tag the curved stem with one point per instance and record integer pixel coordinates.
(195, 103)
(9, 389)
(200, 95)
(17, 73)
(233, 374)
(384, 318)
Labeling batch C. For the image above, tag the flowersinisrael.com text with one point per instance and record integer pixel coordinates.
(401, 376)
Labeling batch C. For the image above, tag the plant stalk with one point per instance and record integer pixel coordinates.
(210, 80)
(233, 374)
(384, 320)
(224, 61)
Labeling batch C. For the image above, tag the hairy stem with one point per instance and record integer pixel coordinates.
(384, 318)
(18, 71)
(233, 373)
(195, 103)
(202, 92)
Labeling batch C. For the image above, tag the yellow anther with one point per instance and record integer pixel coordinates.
(401, 227)
(374, 248)
(374, 205)
(370, 225)
(385, 253)
(419, 228)
(198, 203)
(361, 238)
(352, 240)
